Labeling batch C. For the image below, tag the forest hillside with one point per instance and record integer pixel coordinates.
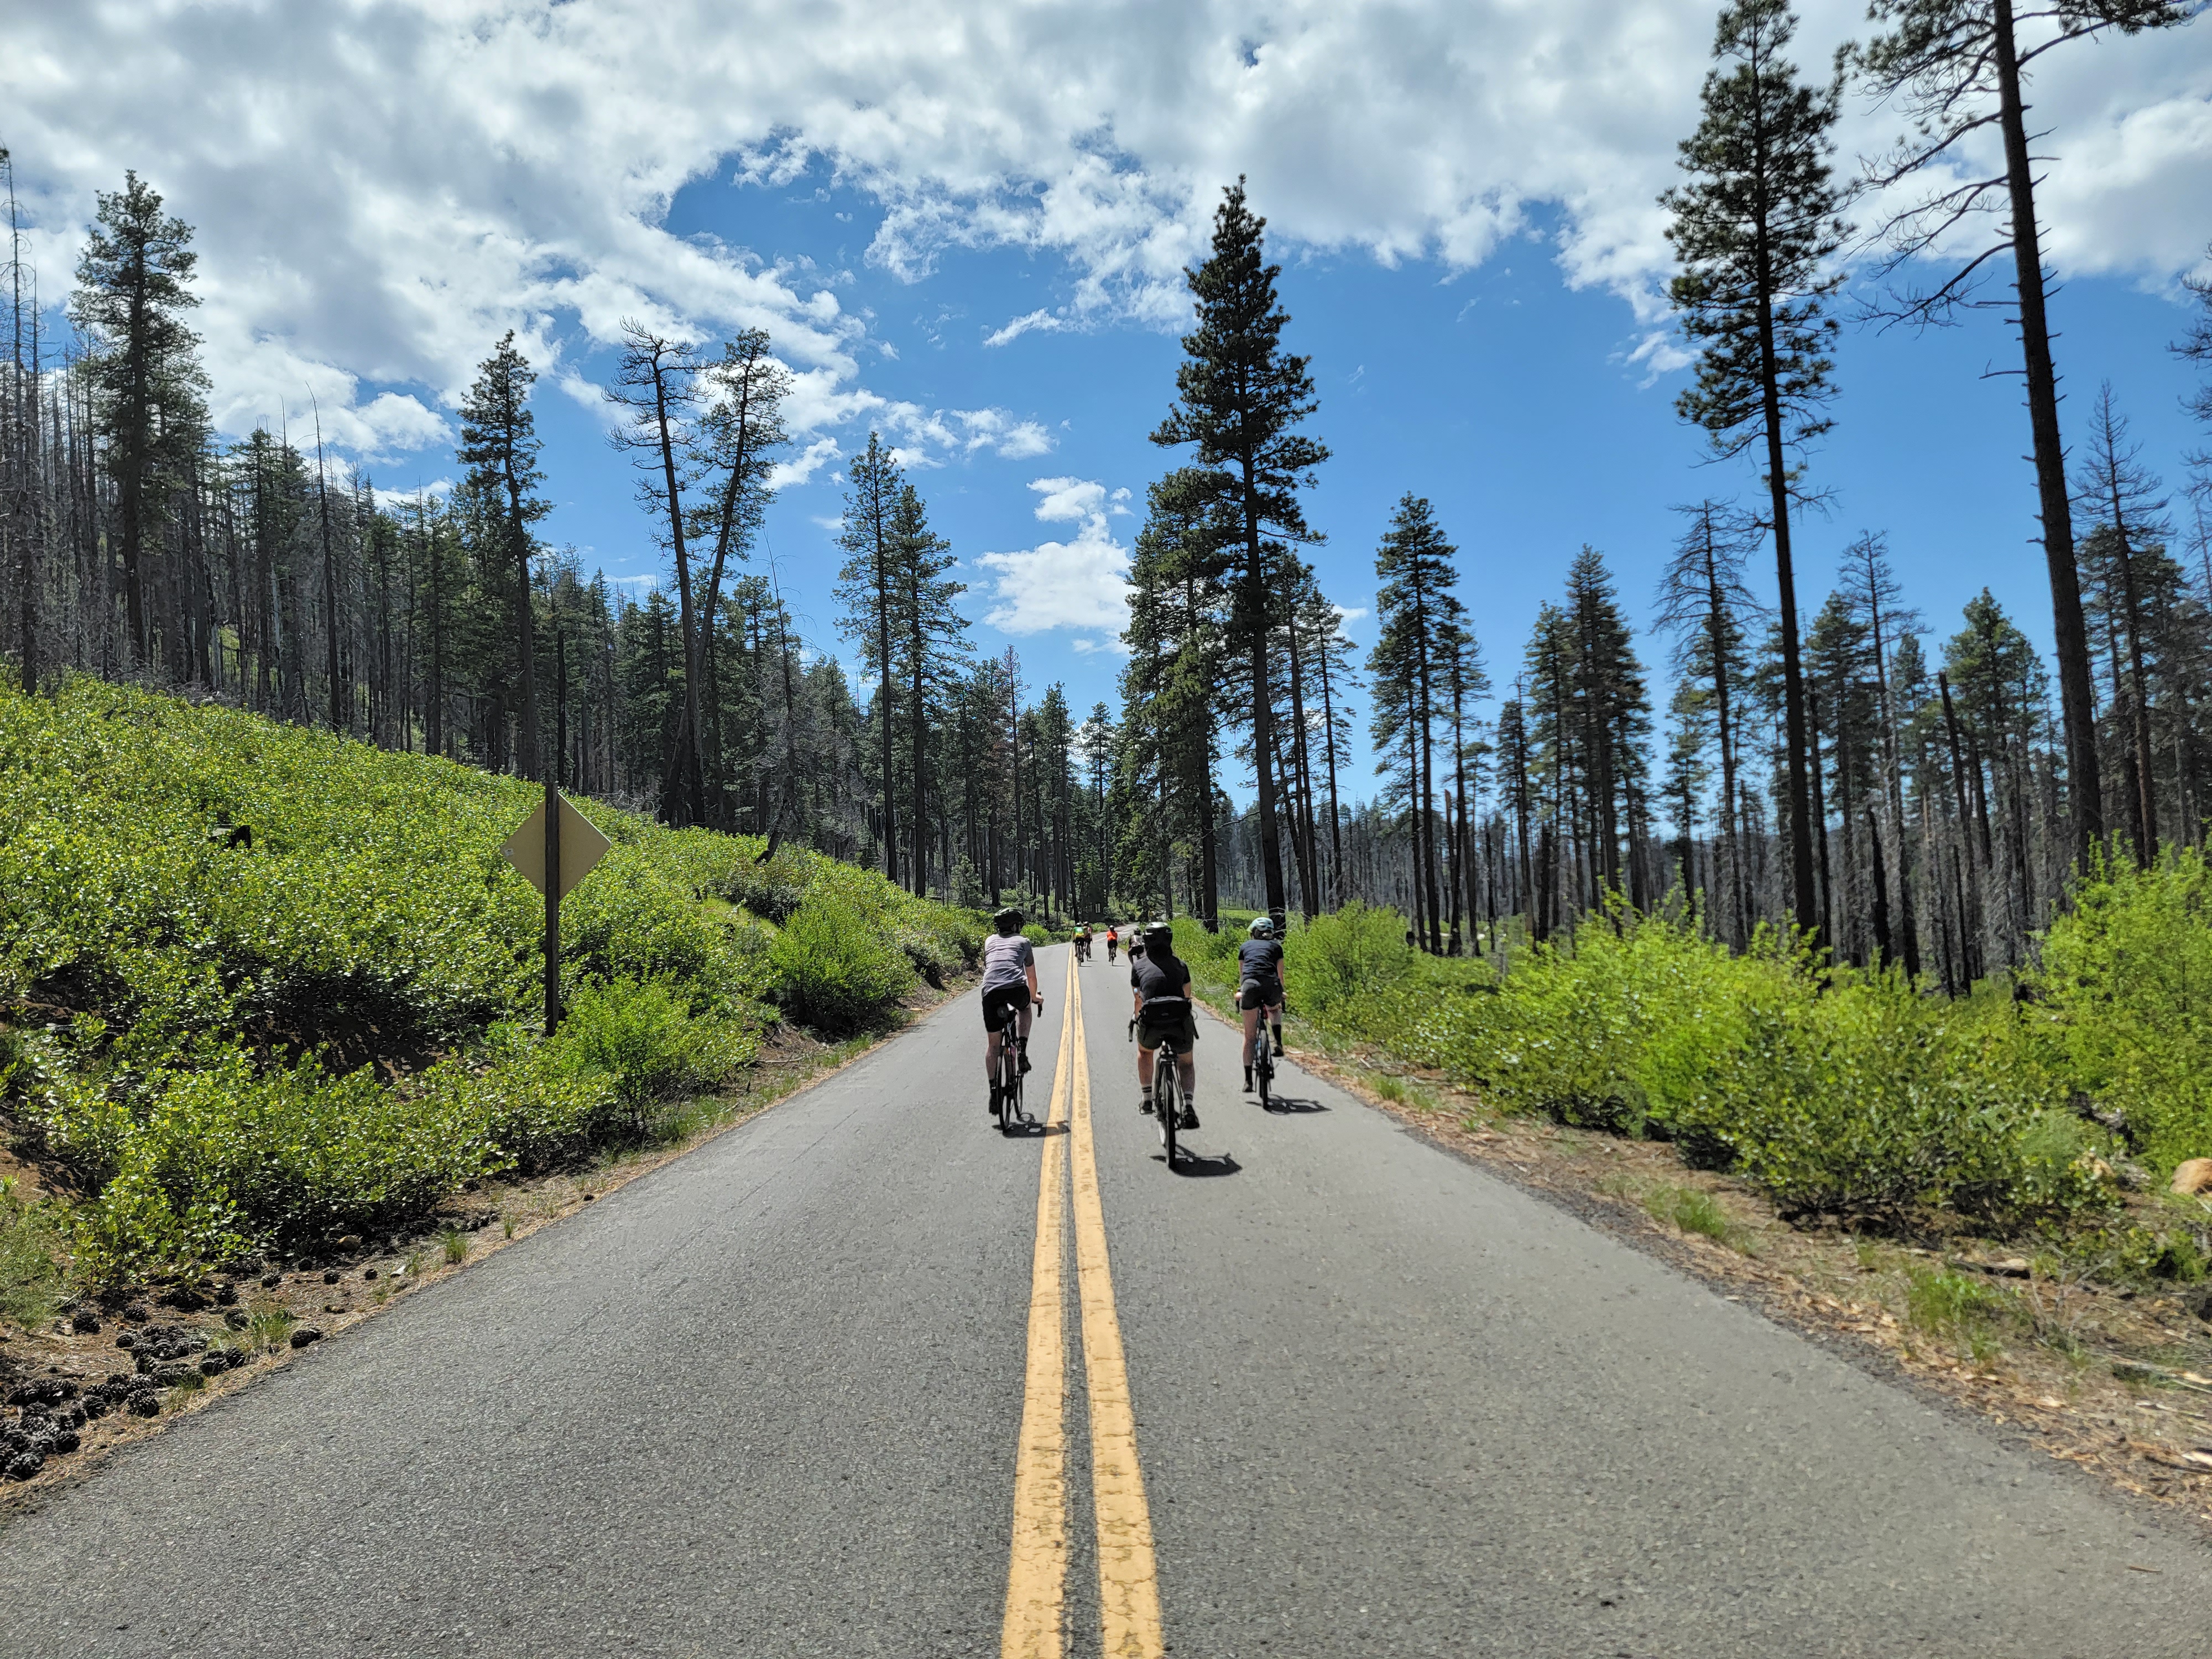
(262, 986)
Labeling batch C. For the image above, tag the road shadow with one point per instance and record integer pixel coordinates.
(1199, 1168)
(1291, 1105)
(1031, 1129)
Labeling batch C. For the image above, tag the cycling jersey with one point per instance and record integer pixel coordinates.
(1159, 979)
(1259, 965)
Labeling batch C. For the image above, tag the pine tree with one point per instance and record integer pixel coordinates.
(2116, 491)
(740, 428)
(1756, 232)
(1704, 600)
(931, 629)
(654, 383)
(133, 288)
(499, 447)
(1875, 599)
(1417, 614)
(1240, 398)
(1944, 61)
(869, 586)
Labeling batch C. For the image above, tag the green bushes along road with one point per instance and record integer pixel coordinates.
(260, 987)
(1842, 1094)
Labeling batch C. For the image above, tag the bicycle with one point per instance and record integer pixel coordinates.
(1167, 1092)
(1006, 1086)
(1083, 947)
(1263, 1057)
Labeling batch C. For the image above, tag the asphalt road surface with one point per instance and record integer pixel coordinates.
(864, 1377)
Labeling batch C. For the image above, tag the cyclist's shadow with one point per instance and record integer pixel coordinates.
(1291, 1105)
(1190, 1164)
(1033, 1128)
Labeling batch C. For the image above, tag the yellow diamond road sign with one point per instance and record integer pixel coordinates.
(582, 847)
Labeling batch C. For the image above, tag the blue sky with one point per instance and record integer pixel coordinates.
(1461, 194)
(1502, 394)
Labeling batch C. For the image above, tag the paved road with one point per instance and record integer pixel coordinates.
(817, 1390)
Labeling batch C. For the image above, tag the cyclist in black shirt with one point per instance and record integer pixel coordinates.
(1260, 967)
(1160, 986)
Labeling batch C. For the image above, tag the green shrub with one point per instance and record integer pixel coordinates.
(650, 1044)
(1332, 961)
(2125, 996)
(833, 971)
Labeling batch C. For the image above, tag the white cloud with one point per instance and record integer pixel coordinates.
(1070, 500)
(1035, 321)
(1083, 584)
(382, 188)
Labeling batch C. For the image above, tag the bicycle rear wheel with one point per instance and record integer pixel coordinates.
(1167, 1100)
(1009, 1081)
(1263, 1071)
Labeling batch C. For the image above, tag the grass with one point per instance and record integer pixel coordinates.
(455, 1244)
(1962, 1309)
(32, 1248)
(1689, 1210)
(268, 1327)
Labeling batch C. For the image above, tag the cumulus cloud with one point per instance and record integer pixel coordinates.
(383, 188)
(1079, 585)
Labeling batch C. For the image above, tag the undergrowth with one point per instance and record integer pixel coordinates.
(1844, 1095)
(261, 987)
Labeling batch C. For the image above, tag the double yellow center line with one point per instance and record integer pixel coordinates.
(1036, 1580)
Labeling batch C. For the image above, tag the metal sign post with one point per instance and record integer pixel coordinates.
(560, 839)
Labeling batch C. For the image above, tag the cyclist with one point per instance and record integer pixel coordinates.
(1260, 967)
(1113, 939)
(1009, 978)
(1160, 988)
(1082, 941)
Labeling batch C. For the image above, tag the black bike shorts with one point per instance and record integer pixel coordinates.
(1172, 1023)
(1260, 993)
(998, 999)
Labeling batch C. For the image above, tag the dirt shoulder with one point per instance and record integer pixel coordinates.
(2113, 1378)
(116, 1376)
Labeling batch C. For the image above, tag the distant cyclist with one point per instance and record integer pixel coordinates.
(1008, 979)
(1260, 967)
(1082, 941)
(1160, 986)
(1113, 940)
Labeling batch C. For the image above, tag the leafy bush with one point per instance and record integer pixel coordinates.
(2125, 997)
(833, 971)
(1336, 960)
(1839, 1093)
(648, 1043)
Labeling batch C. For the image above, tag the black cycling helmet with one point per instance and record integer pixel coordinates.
(1008, 921)
(1159, 936)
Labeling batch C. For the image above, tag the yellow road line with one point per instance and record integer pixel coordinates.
(1037, 1577)
(1128, 1576)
